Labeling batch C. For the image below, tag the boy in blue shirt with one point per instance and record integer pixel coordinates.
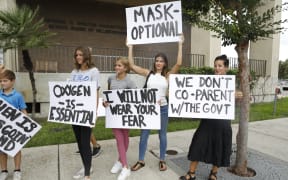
(9, 94)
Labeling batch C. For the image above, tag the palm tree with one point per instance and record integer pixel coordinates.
(22, 28)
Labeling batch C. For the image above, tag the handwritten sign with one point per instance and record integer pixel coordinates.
(73, 103)
(16, 128)
(202, 96)
(132, 108)
(154, 23)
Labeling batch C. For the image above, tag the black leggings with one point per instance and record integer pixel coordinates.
(82, 134)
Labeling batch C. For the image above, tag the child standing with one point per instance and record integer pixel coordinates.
(9, 94)
(121, 81)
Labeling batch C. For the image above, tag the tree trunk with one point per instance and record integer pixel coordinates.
(29, 66)
(240, 167)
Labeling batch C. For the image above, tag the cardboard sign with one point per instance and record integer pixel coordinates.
(154, 23)
(73, 103)
(132, 108)
(202, 96)
(16, 128)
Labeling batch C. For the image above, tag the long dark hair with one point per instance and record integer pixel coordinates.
(86, 55)
(165, 68)
(224, 59)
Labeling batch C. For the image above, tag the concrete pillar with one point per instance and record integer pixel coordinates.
(202, 42)
(7, 4)
(268, 49)
(10, 56)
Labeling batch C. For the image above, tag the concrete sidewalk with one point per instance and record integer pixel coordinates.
(59, 162)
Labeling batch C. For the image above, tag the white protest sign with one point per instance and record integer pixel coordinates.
(202, 96)
(132, 108)
(16, 128)
(154, 23)
(73, 103)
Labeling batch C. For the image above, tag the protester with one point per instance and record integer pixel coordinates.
(84, 71)
(212, 141)
(157, 78)
(96, 148)
(13, 97)
(121, 81)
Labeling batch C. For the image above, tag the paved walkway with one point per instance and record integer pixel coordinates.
(59, 162)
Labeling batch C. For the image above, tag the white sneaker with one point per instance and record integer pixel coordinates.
(17, 175)
(86, 178)
(116, 167)
(80, 173)
(124, 174)
(3, 175)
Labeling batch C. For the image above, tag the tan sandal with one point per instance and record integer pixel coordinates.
(162, 166)
(137, 166)
(189, 176)
(212, 175)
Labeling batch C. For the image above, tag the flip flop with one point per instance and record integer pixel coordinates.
(162, 166)
(137, 166)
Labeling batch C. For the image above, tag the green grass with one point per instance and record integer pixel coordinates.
(264, 111)
(57, 133)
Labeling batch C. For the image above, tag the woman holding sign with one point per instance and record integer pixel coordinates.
(212, 141)
(156, 78)
(84, 71)
(121, 81)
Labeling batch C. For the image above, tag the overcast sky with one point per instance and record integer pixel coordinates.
(283, 53)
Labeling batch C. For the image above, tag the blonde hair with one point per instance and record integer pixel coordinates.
(125, 62)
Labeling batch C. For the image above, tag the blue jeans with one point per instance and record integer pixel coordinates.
(162, 136)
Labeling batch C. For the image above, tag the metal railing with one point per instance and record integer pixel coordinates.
(195, 60)
(256, 66)
(60, 59)
(105, 63)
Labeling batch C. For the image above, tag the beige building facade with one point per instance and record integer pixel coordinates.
(102, 24)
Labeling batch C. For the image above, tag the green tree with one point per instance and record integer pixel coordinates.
(22, 28)
(236, 22)
(283, 70)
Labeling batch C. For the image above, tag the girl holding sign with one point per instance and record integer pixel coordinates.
(212, 141)
(121, 81)
(84, 71)
(157, 78)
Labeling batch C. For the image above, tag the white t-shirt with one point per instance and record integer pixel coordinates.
(160, 82)
(86, 75)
